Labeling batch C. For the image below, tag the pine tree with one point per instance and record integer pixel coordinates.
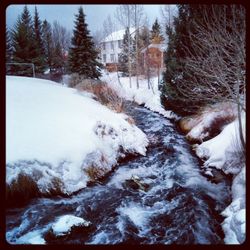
(57, 62)
(23, 43)
(179, 45)
(39, 53)
(8, 51)
(47, 42)
(156, 36)
(124, 55)
(82, 55)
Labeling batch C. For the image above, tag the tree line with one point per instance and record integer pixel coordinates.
(50, 47)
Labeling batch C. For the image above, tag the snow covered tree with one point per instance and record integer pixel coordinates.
(39, 53)
(82, 55)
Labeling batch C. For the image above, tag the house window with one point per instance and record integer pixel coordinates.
(104, 46)
(104, 57)
(120, 44)
(112, 46)
(112, 57)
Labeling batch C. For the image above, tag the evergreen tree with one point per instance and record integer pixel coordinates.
(124, 55)
(23, 43)
(178, 74)
(8, 51)
(47, 42)
(39, 53)
(174, 58)
(156, 35)
(82, 55)
(57, 62)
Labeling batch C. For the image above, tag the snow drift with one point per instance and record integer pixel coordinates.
(55, 135)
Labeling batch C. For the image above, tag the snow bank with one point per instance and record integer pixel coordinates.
(149, 97)
(234, 225)
(54, 133)
(201, 126)
(222, 152)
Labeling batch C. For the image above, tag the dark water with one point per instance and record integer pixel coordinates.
(179, 206)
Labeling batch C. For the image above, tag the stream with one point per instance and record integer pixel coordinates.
(179, 206)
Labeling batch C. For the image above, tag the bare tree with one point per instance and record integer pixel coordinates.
(123, 15)
(98, 36)
(168, 12)
(61, 35)
(138, 19)
(216, 63)
(132, 16)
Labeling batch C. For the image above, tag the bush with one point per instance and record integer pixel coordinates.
(104, 94)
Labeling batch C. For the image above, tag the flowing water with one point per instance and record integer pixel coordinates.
(179, 206)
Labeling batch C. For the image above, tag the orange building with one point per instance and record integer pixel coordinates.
(152, 58)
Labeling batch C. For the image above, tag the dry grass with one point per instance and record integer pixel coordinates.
(21, 190)
(95, 172)
(130, 120)
(104, 94)
(224, 114)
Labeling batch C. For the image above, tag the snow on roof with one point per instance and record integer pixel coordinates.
(160, 46)
(117, 35)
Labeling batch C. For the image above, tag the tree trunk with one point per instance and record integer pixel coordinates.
(129, 50)
(136, 48)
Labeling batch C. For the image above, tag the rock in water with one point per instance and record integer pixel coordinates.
(137, 184)
(65, 226)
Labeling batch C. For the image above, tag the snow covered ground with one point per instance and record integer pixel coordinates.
(150, 98)
(221, 152)
(54, 134)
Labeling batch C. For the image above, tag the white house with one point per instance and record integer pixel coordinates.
(111, 47)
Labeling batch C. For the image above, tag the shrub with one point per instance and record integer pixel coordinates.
(104, 94)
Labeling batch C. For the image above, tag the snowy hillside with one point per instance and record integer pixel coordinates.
(53, 133)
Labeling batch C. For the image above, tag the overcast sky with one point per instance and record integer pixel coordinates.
(64, 14)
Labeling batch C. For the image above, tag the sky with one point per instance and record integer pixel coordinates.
(65, 14)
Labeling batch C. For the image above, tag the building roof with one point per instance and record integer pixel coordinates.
(159, 46)
(117, 35)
